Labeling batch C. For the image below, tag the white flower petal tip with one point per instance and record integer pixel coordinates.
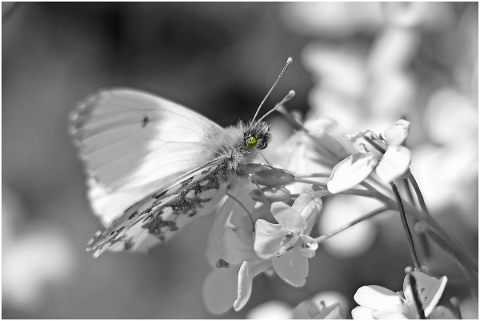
(247, 272)
(378, 298)
(351, 171)
(396, 134)
(362, 313)
(394, 163)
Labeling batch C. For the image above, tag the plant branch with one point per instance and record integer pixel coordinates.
(411, 245)
(334, 232)
(454, 247)
(451, 245)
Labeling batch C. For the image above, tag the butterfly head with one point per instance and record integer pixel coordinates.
(257, 135)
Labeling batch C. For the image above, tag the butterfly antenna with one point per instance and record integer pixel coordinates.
(287, 64)
(289, 96)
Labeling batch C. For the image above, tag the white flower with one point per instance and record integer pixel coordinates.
(377, 302)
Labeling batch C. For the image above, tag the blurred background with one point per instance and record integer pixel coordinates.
(363, 64)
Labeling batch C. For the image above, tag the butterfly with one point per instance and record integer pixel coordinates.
(152, 164)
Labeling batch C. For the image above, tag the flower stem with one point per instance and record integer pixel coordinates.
(401, 209)
(334, 232)
(456, 307)
(449, 244)
(416, 296)
(471, 278)
(420, 199)
(307, 181)
(420, 230)
(325, 175)
(454, 246)
(422, 239)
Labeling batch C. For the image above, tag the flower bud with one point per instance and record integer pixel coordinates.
(396, 134)
(272, 177)
(270, 194)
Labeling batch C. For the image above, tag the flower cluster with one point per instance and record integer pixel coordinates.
(244, 242)
(265, 223)
(389, 159)
(268, 222)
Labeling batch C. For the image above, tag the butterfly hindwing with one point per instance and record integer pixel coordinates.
(155, 218)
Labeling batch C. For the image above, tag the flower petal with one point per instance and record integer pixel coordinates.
(351, 171)
(386, 314)
(268, 238)
(216, 247)
(292, 266)
(247, 272)
(220, 289)
(362, 313)
(396, 134)
(238, 247)
(378, 298)
(287, 217)
(394, 163)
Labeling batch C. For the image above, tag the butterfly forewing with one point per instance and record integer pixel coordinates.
(156, 218)
(134, 143)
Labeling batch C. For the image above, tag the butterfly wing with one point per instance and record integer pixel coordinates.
(155, 218)
(134, 144)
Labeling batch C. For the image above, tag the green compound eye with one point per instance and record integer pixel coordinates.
(251, 142)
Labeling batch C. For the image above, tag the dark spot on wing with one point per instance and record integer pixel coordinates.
(129, 243)
(134, 214)
(145, 121)
(222, 263)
